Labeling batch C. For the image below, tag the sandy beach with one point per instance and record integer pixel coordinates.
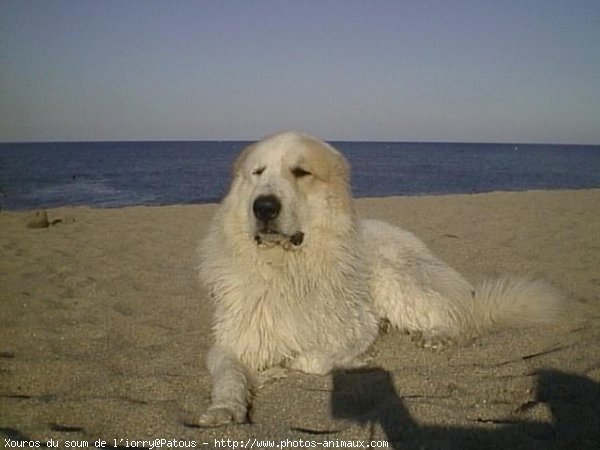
(104, 329)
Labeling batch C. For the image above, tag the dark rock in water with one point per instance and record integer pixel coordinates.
(40, 220)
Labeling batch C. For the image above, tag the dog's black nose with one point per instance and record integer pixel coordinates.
(266, 207)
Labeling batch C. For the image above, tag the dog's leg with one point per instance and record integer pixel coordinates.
(232, 382)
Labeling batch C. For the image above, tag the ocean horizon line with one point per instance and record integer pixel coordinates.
(365, 141)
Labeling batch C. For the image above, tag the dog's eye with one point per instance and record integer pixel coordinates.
(258, 171)
(299, 172)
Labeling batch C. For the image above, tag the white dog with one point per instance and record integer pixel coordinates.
(298, 282)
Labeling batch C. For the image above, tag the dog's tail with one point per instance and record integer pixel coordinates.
(515, 301)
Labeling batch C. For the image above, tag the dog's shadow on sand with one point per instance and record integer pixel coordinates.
(368, 397)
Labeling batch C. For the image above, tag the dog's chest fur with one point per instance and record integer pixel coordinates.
(284, 305)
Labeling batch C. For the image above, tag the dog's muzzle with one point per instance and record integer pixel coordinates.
(266, 209)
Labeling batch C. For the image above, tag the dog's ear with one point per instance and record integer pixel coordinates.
(341, 168)
(340, 183)
(241, 158)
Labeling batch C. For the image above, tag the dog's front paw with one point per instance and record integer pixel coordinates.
(269, 375)
(221, 415)
(433, 341)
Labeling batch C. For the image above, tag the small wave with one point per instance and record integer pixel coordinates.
(79, 191)
(74, 189)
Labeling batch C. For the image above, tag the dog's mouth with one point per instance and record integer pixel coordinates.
(269, 237)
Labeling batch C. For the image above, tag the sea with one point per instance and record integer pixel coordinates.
(117, 174)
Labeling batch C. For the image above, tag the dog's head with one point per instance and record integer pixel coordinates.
(290, 185)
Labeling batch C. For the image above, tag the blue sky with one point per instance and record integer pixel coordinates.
(484, 71)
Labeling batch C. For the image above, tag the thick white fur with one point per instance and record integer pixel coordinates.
(317, 305)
